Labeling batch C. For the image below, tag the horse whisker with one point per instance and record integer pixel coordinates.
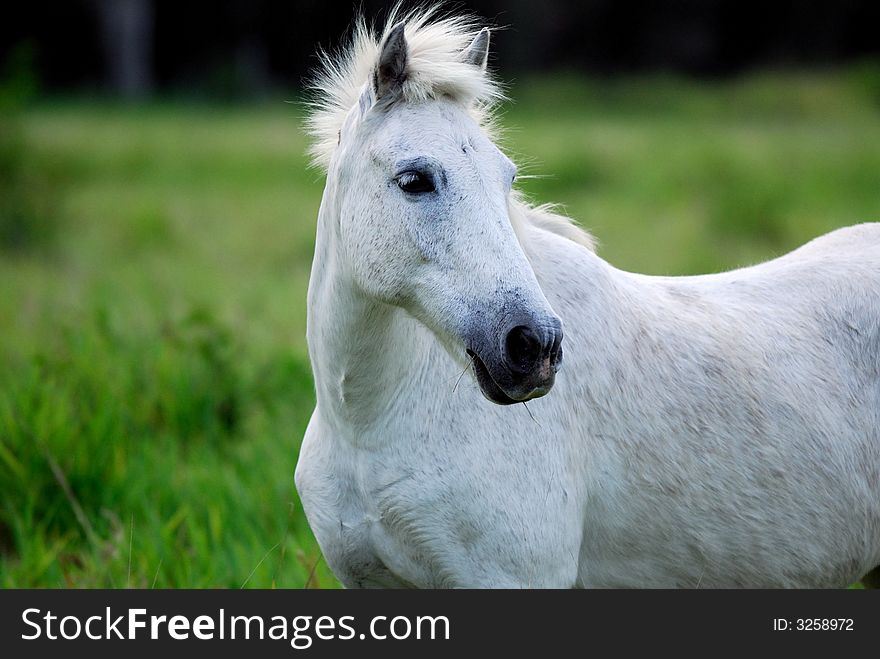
(530, 413)
(461, 375)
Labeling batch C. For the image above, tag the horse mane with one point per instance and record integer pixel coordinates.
(435, 69)
(544, 216)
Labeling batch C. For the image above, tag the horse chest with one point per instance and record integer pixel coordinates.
(364, 512)
(426, 519)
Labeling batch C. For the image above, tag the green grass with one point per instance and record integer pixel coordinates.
(155, 383)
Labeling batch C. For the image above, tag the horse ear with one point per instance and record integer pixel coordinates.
(478, 52)
(391, 70)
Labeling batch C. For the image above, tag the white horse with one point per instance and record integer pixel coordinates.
(711, 431)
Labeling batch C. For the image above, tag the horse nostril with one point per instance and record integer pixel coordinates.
(523, 348)
(556, 350)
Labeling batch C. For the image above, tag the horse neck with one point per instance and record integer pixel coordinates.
(363, 351)
(601, 308)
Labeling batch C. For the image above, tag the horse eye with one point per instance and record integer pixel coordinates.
(415, 182)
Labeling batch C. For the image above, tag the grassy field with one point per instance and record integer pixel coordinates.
(154, 260)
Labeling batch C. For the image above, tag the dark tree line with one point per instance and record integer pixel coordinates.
(246, 46)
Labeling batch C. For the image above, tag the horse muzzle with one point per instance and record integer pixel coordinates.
(522, 362)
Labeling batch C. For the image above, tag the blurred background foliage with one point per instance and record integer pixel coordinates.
(157, 224)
